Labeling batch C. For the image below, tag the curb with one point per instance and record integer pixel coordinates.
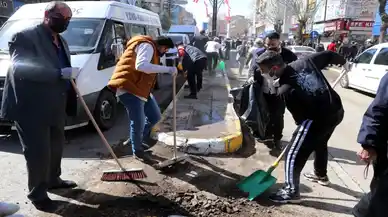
(225, 144)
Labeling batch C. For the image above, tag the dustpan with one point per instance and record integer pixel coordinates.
(260, 181)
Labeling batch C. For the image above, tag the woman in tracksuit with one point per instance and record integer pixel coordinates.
(316, 109)
(373, 137)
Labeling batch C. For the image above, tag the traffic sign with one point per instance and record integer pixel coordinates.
(314, 34)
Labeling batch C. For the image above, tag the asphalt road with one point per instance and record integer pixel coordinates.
(81, 154)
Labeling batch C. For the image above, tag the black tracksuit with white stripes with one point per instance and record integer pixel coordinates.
(317, 110)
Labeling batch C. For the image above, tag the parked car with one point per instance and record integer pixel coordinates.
(367, 69)
(301, 51)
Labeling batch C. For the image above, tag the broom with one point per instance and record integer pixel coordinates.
(111, 175)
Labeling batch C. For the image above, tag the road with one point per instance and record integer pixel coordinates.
(82, 163)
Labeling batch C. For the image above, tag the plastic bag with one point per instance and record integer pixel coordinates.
(255, 111)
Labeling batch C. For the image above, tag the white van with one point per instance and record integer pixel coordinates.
(96, 35)
(189, 30)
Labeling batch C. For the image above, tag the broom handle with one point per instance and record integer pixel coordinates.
(174, 113)
(343, 73)
(106, 143)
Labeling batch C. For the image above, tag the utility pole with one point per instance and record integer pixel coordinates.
(216, 4)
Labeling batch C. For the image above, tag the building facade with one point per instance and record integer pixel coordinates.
(238, 26)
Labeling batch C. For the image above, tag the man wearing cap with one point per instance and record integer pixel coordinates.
(133, 80)
(275, 102)
(252, 52)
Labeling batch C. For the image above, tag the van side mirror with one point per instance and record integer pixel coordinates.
(117, 50)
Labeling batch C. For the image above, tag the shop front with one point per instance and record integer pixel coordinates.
(359, 30)
(6, 10)
(335, 30)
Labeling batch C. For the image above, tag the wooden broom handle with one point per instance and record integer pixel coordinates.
(106, 143)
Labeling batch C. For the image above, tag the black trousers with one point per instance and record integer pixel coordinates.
(194, 76)
(374, 203)
(276, 107)
(42, 148)
(212, 61)
(310, 136)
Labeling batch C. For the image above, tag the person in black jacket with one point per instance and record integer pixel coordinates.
(275, 102)
(199, 41)
(373, 138)
(316, 108)
(194, 62)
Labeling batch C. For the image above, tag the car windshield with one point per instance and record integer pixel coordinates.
(81, 35)
(304, 49)
(175, 38)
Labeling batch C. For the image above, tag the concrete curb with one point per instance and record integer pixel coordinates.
(225, 144)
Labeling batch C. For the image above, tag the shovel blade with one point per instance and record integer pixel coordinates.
(256, 183)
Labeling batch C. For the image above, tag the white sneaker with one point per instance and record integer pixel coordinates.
(7, 209)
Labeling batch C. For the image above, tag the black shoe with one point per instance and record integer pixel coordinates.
(145, 145)
(45, 205)
(187, 86)
(144, 156)
(285, 195)
(63, 184)
(322, 180)
(191, 96)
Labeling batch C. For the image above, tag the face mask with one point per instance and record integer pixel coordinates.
(58, 25)
(276, 49)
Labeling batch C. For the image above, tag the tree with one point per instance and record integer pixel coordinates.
(304, 11)
(271, 11)
(165, 21)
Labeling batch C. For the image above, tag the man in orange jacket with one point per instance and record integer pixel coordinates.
(134, 79)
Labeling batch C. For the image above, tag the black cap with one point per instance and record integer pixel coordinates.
(164, 41)
(273, 35)
(270, 58)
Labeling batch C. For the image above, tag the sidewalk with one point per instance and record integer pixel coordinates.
(206, 125)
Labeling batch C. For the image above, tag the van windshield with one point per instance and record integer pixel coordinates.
(81, 35)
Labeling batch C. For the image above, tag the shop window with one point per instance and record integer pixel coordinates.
(366, 57)
(382, 57)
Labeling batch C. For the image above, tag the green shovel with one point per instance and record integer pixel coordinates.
(259, 181)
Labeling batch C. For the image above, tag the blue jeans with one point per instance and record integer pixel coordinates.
(142, 117)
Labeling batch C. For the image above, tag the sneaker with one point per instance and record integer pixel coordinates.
(8, 208)
(314, 178)
(285, 195)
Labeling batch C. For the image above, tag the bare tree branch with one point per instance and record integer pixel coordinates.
(270, 11)
(303, 10)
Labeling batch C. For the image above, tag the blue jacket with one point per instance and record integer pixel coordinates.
(373, 131)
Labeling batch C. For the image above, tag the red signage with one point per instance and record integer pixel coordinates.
(360, 25)
(334, 26)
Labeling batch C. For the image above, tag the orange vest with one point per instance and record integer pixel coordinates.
(126, 77)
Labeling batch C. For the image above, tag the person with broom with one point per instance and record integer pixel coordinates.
(37, 96)
(133, 80)
(193, 61)
(316, 108)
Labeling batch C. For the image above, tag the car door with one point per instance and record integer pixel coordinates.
(377, 70)
(359, 68)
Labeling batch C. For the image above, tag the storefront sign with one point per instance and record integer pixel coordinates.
(6, 8)
(334, 26)
(360, 25)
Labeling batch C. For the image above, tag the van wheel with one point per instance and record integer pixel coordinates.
(105, 111)
(344, 82)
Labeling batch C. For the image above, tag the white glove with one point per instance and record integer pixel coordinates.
(173, 71)
(70, 73)
(347, 66)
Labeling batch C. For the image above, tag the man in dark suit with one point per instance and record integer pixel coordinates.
(37, 94)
